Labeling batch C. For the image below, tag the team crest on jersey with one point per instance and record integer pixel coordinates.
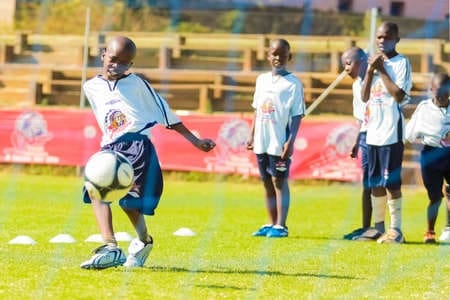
(267, 108)
(115, 120)
(377, 90)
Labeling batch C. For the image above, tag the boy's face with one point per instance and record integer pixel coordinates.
(386, 39)
(351, 65)
(278, 55)
(116, 61)
(440, 91)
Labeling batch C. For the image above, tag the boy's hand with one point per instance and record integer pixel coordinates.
(376, 62)
(249, 144)
(206, 145)
(288, 150)
(354, 152)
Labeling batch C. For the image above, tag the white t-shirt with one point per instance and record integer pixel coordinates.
(126, 105)
(430, 124)
(276, 100)
(359, 106)
(382, 109)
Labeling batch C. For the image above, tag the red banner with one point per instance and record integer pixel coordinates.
(70, 136)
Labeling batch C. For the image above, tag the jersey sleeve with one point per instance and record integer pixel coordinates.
(88, 94)
(298, 107)
(162, 112)
(403, 77)
(257, 92)
(411, 130)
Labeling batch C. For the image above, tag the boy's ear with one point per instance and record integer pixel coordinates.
(102, 55)
(290, 56)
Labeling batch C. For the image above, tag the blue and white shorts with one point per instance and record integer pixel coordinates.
(435, 167)
(272, 166)
(385, 165)
(148, 185)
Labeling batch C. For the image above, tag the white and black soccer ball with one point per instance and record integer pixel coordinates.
(108, 175)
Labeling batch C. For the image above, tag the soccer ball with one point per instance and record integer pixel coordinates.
(108, 175)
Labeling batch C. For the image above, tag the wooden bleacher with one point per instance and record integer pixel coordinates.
(202, 72)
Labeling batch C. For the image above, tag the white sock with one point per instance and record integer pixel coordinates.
(110, 242)
(378, 208)
(141, 230)
(395, 211)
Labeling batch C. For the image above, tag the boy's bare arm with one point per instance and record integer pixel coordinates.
(202, 144)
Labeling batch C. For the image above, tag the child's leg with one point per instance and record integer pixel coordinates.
(282, 199)
(379, 200)
(138, 221)
(103, 215)
(447, 195)
(139, 248)
(366, 207)
(108, 255)
(271, 200)
(432, 213)
(395, 208)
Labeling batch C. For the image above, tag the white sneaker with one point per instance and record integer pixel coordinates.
(105, 257)
(445, 235)
(392, 236)
(137, 253)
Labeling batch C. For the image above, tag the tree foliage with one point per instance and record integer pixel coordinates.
(68, 17)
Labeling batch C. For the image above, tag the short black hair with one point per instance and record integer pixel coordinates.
(283, 42)
(442, 78)
(391, 27)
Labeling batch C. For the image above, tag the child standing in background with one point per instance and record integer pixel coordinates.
(430, 123)
(279, 107)
(386, 84)
(354, 61)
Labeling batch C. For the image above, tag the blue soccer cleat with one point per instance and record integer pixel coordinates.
(277, 231)
(263, 230)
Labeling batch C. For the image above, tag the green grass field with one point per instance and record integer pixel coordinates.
(223, 261)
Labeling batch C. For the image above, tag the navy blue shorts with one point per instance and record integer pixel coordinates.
(364, 160)
(435, 167)
(148, 185)
(272, 166)
(385, 165)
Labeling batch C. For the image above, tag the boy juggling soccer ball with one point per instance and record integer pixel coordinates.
(279, 107)
(126, 107)
(385, 86)
(430, 123)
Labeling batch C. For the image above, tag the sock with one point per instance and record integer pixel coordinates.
(379, 212)
(395, 211)
(379, 208)
(141, 230)
(110, 242)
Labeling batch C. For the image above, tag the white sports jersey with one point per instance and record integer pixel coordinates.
(382, 109)
(126, 105)
(276, 100)
(359, 106)
(430, 124)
